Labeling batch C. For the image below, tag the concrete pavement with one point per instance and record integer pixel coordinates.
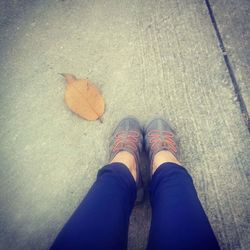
(147, 58)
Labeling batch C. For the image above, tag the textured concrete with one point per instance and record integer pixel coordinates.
(233, 19)
(147, 57)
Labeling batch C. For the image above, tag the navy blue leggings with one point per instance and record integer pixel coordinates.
(101, 220)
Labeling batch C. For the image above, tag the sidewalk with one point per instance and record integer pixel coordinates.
(147, 58)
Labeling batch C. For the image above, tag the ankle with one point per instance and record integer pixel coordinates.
(164, 157)
(128, 160)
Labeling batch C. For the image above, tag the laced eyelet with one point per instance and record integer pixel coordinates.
(162, 140)
(126, 139)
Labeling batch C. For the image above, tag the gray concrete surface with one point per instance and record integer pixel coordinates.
(233, 19)
(147, 57)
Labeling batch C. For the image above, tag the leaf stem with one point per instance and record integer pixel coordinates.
(100, 119)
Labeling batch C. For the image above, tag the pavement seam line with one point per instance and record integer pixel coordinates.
(234, 81)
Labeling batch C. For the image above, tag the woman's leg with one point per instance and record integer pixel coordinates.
(101, 220)
(178, 219)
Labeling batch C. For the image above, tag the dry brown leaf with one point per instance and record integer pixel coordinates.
(83, 98)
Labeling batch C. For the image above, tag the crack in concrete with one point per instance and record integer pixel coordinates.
(236, 87)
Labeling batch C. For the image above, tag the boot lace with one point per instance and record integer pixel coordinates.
(159, 140)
